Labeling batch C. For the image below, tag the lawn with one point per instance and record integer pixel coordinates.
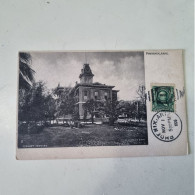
(90, 135)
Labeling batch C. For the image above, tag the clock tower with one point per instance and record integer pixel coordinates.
(86, 75)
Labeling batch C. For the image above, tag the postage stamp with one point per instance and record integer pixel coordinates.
(166, 126)
(163, 98)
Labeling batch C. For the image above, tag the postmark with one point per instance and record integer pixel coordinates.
(163, 98)
(166, 126)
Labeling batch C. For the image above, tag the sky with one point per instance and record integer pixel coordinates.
(124, 70)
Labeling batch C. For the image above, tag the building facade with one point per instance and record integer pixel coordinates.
(86, 90)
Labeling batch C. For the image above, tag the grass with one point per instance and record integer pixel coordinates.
(90, 135)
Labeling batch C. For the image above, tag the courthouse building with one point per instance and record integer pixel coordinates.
(86, 89)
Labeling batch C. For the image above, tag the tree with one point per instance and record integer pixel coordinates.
(142, 111)
(141, 104)
(124, 107)
(26, 73)
(49, 107)
(91, 106)
(75, 112)
(32, 106)
(141, 93)
(85, 115)
(133, 109)
(65, 103)
(111, 110)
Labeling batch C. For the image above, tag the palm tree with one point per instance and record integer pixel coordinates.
(26, 73)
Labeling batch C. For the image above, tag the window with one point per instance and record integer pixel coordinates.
(85, 95)
(106, 95)
(96, 95)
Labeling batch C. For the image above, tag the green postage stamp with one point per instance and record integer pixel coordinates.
(163, 98)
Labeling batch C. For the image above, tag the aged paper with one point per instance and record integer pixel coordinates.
(91, 104)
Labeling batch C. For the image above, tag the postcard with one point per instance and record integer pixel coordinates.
(101, 104)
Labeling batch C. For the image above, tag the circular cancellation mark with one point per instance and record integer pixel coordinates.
(166, 126)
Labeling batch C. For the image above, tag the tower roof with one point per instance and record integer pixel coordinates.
(86, 71)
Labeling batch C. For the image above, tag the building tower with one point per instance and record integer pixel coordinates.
(86, 75)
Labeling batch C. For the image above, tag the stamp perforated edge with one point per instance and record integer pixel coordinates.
(161, 85)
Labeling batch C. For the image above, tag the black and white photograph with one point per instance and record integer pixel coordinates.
(76, 99)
